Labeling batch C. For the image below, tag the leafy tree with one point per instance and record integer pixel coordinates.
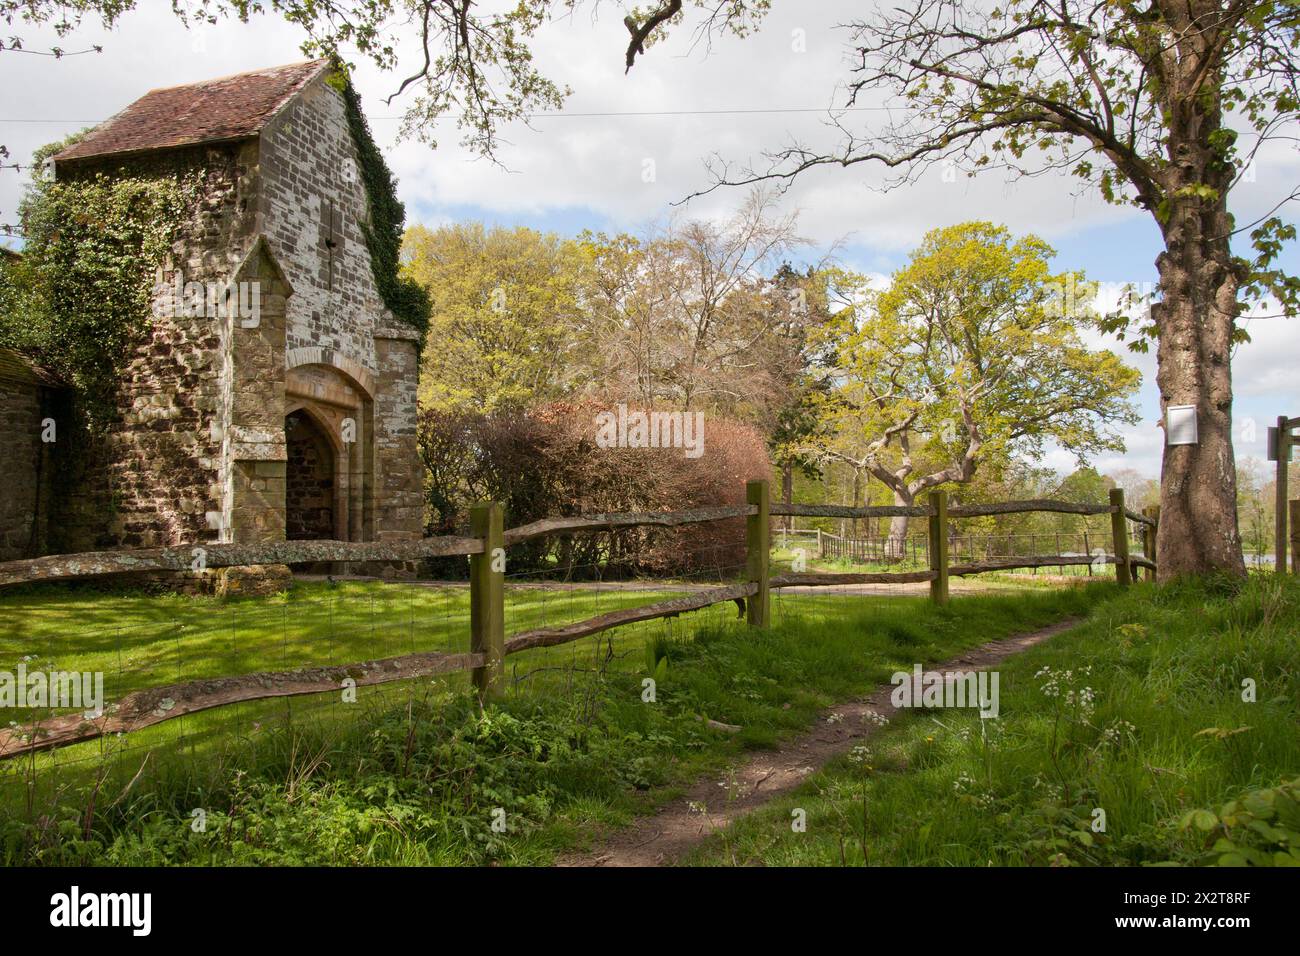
(506, 315)
(970, 356)
(1085, 486)
(688, 315)
(80, 297)
(472, 61)
(1146, 101)
(805, 302)
(1139, 490)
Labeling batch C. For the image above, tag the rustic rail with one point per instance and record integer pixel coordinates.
(850, 511)
(609, 522)
(92, 564)
(551, 636)
(144, 708)
(489, 645)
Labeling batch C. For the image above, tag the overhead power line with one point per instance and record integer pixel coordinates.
(562, 114)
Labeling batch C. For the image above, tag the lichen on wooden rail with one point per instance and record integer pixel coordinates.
(66, 567)
(632, 519)
(1140, 518)
(144, 708)
(799, 579)
(550, 636)
(1029, 561)
(1020, 507)
(848, 511)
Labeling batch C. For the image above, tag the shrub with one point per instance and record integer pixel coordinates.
(545, 462)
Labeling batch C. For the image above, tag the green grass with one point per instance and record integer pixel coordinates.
(414, 772)
(141, 640)
(1167, 740)
(784, 559)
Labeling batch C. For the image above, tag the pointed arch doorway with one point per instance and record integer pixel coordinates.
(329, 437)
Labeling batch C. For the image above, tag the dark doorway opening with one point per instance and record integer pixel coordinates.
(309, 480)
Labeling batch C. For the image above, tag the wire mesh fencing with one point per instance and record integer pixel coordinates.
(573, 620)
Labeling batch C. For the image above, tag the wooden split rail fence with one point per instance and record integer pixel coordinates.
(489, 645)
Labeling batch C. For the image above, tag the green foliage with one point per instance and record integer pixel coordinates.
(408, 302)
(415, 775)
(80, 298)
(507, 313)
(1261, 828)
(656, 659)
(1138, 713)
(1028, 86)
(973, 354)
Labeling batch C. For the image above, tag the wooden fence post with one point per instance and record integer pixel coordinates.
(1149, 537)
(1294, 506)
(939, 546)
(487, 595)
(1281, 502)
(1119, 537)
(759, 544)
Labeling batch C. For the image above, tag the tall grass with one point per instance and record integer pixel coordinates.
(422, 776)
(1113, 746)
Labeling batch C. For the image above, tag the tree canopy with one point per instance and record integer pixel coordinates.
(972, 353)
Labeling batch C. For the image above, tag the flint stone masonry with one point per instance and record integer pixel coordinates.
(200, 453)
(25, 485)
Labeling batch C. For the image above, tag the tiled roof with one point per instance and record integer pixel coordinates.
(17, 367)
(227, 108)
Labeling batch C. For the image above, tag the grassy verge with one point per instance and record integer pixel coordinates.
(138, 639)
(419, 775)
(1135, 720)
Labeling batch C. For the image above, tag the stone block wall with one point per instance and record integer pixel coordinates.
(258, 488)
(199, 453)
(400, 482)
(311, 208)
(253, 452)
(160, 477)
(25, 471)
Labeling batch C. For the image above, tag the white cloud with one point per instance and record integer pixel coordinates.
(591, 166)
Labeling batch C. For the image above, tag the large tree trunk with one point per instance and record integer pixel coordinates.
(1195, 319)
(896, 546)
(787, 491)
(857, 498)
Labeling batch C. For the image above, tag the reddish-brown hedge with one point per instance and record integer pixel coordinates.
(546, 462)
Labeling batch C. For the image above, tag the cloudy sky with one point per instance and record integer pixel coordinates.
(680, 105)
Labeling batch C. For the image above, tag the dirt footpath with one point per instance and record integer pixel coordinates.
(665, 837)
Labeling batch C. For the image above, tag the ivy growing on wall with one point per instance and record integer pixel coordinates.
(81, 295)
(407, 300)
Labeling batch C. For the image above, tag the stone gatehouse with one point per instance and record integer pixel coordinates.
(291, 411)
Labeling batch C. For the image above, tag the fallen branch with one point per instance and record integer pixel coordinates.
(550, 636)
(144, 708)
(720, 726)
